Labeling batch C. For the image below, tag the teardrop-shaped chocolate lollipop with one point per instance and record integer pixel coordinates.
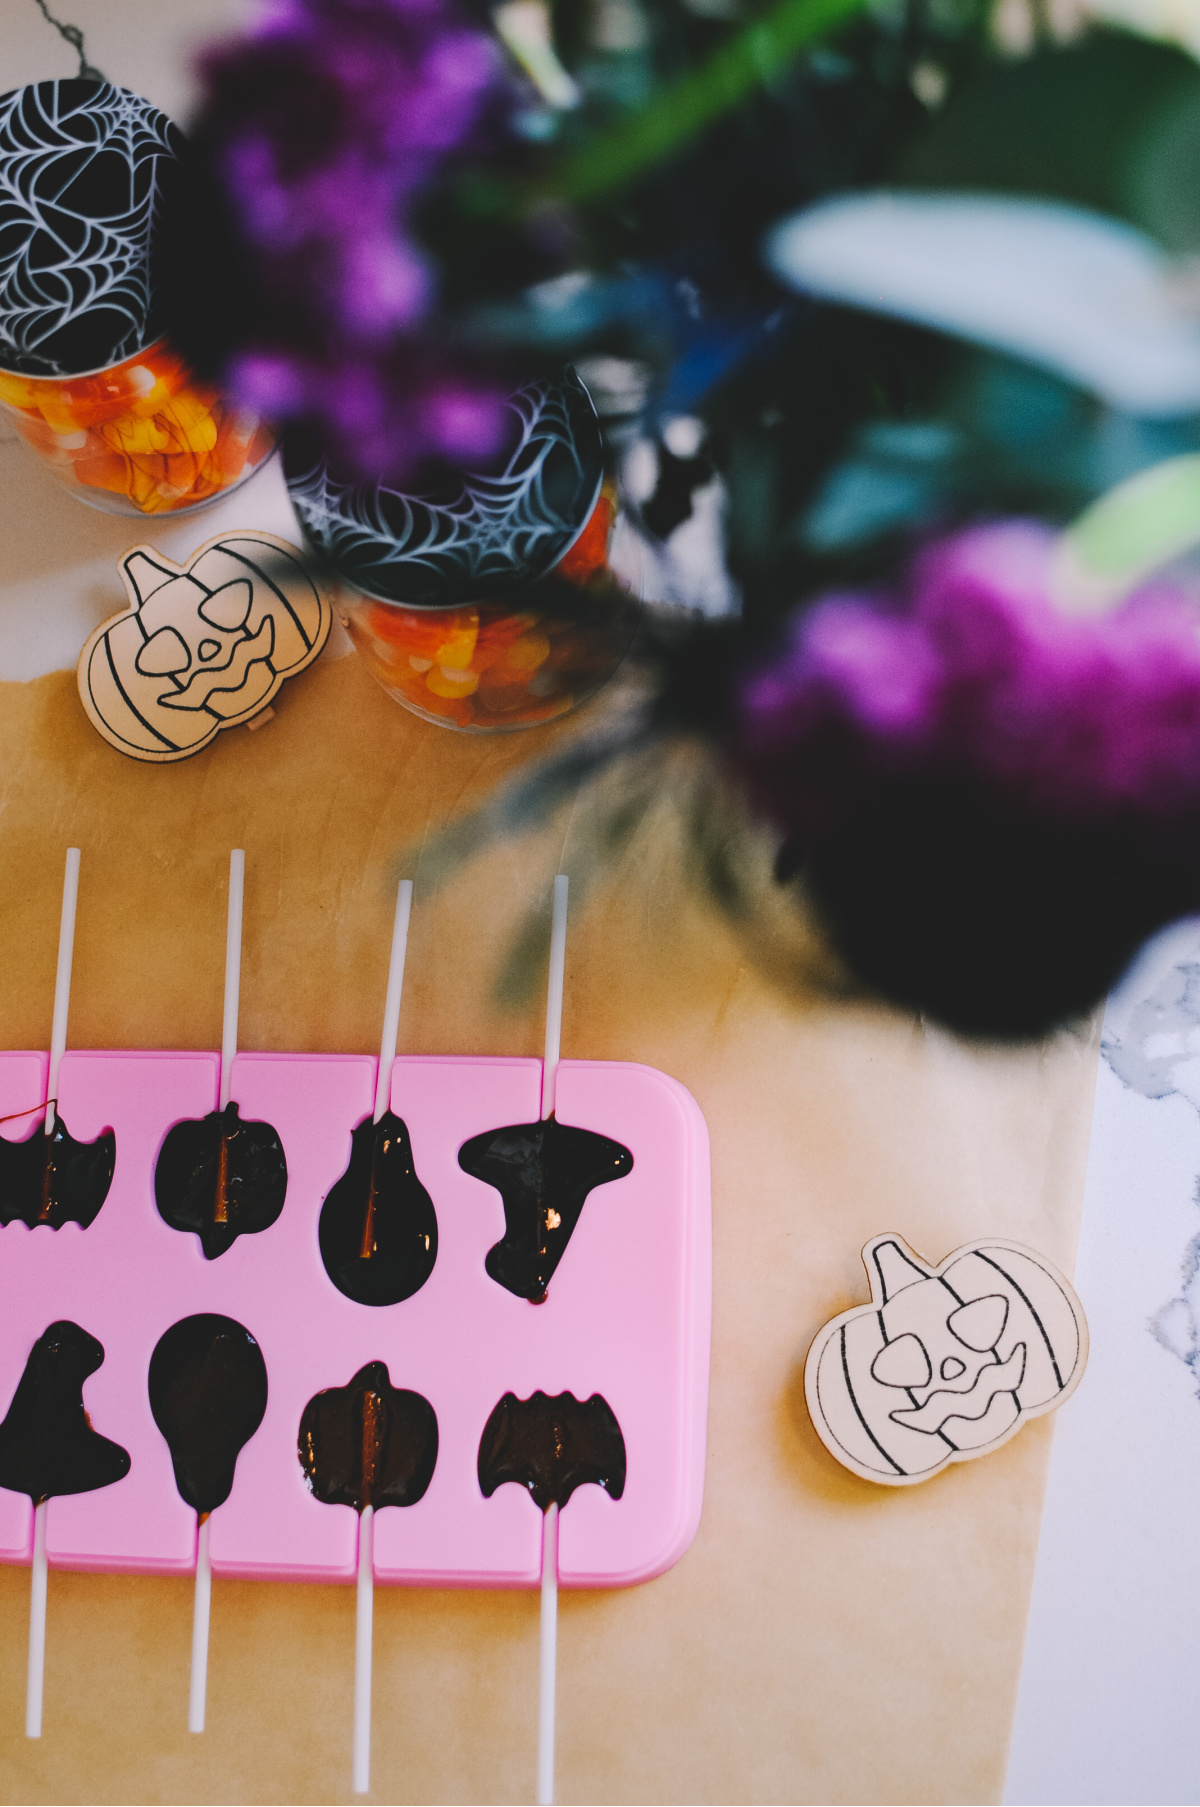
(53, 1179)
(378, 1229)
(552, 1446)
(47, 1444)
(543, 1172)
(221, 1178)
(368, 1443)
(208, 1393)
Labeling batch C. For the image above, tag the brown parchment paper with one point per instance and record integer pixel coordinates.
(823, 1640)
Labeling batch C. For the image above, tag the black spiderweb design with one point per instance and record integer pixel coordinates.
(85, 169)
(501, 530)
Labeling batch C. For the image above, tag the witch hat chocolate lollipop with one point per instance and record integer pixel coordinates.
(217, 1175)
(47, 1444)
(367, 1445)
(208, 1394)
(551, 1446)
(543, 1171)
(378, 1229)
(48, 1447)
(50, 1178)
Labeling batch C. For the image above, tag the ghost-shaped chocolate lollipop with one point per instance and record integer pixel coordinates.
(50, 1178)
(48, 1447)
(367, 1445)
(219, 1176)
(551, 1446)
(543, 1171)
(208, 1394)
(378, 1229)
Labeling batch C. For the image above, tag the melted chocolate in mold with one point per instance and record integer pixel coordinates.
(47, 1444)
(53, 1179)
(208, 1393)
(552, 1446)
(221, 1178)
(378, 1229)
(369, 1443)
(543, 1172)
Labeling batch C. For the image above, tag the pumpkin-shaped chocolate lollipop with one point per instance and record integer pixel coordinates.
(221, 1178)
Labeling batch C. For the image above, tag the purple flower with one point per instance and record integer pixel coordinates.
(323, 130)
(966, 667)
(992, 803)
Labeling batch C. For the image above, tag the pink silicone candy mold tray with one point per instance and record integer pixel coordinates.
(628, 1316)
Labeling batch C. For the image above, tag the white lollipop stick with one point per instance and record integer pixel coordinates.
(202, 1599)
(35, 1684)
(62, 981)
(548, 1664)
(364, 1623)
(395, 988)
(233, 971)
(548, 1669)
(364, 1626)
(554, 994)
(36, 1675)
(201, 1612)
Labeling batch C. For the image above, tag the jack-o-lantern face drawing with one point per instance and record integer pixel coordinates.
(201, 647)
(945, 1363)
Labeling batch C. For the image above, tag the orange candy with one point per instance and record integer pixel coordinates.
(144, 431)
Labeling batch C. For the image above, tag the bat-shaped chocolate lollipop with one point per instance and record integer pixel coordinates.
(50, 1178)
(378, 1229)
(47, 1444)
(221, 1177)
(53, 1179)
(208, 1393)
(544, 1172)
(367, 1445)
(552, 1445)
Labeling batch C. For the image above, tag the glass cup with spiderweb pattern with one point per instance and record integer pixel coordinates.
(497, 608)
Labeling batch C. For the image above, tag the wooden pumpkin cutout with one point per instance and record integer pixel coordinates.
(946, 1363)
(201, 647)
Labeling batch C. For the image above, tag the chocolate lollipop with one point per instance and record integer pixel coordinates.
(367, 1445)
(544, 1172)
(50, 1178)
(552, 1446)
(221, 1177)
(208, 1393)
(378, 1229)
(217, 1175)
(47, 1447)
(53, 1179)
